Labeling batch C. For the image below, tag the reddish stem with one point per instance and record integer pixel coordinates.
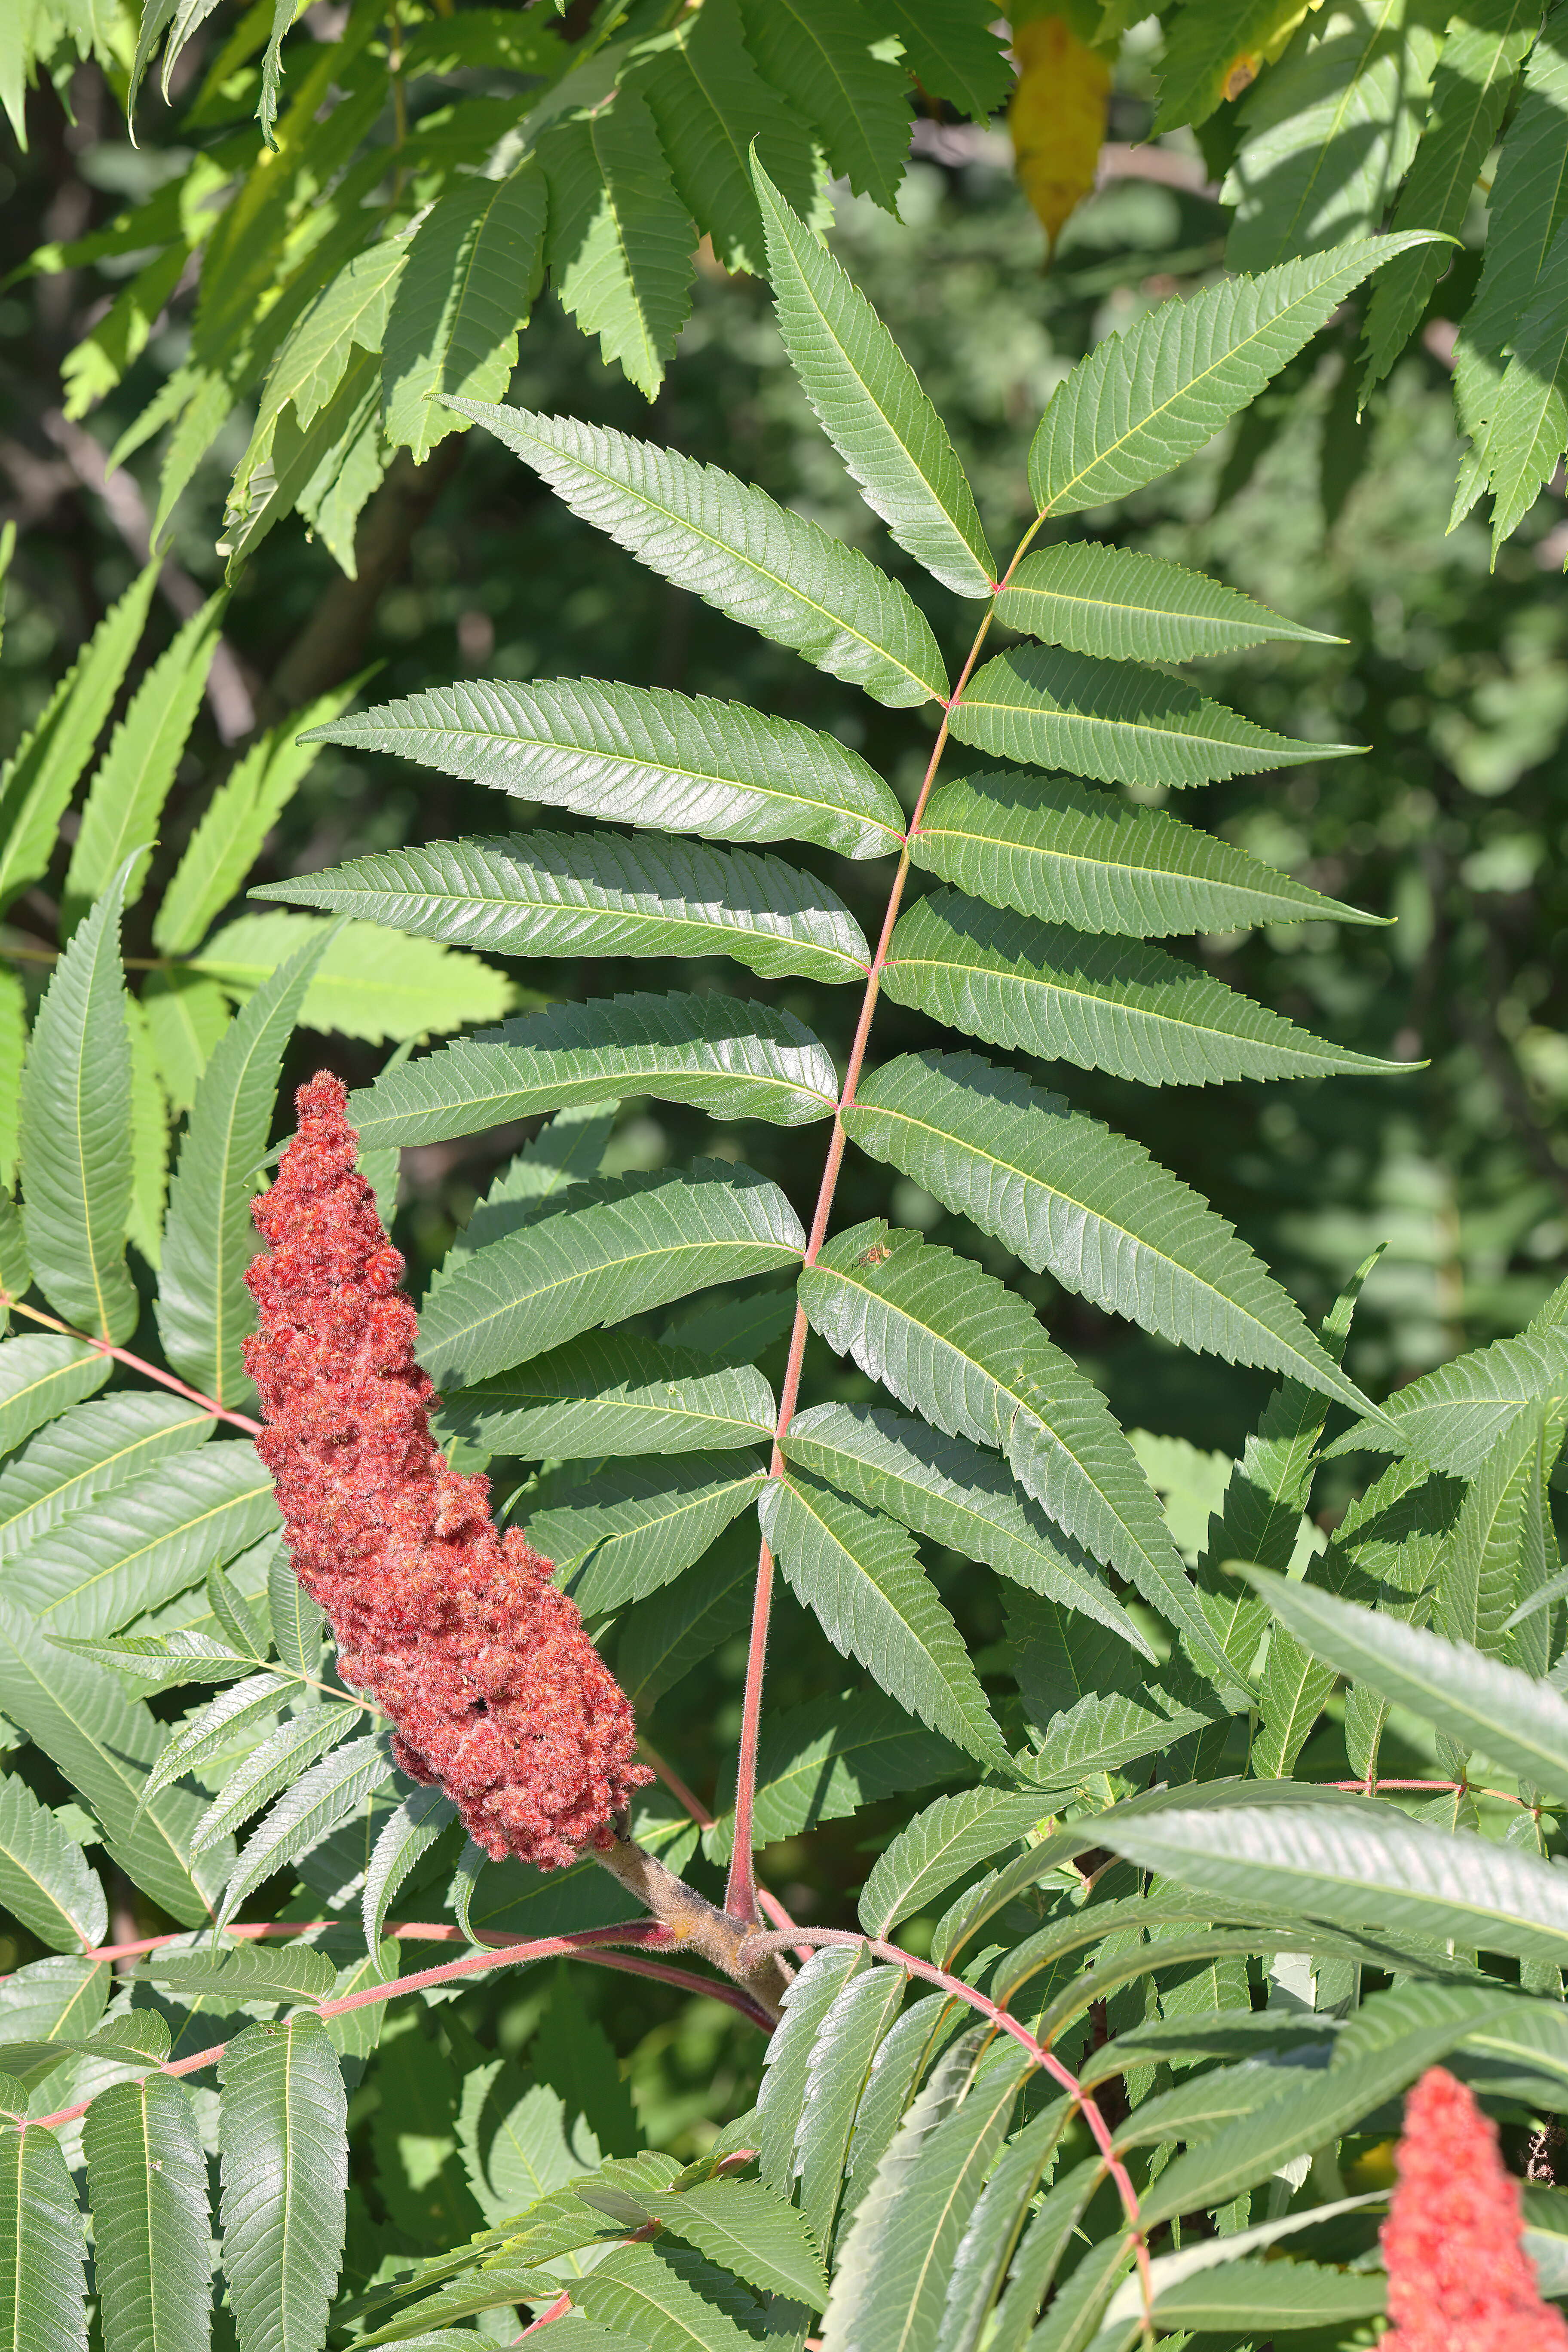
(137, 1364)
(741, 1890)
(1063, 2076)
(1429, 1788)
(586, 1944)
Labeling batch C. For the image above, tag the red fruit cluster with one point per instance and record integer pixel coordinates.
(1458, 2277)
(454, 1629)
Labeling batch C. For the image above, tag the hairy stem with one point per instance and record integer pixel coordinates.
(692, 1921)
(137, 1363)
(740, 1892)
(587, 1943)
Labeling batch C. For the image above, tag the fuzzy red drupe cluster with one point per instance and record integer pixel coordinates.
(452, 1627)
(1458, 2277)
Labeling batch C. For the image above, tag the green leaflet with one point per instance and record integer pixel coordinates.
(666, 2298)
(822, 57)
(566, 1151)
(662, 1638)
(644, 756)
(283, 1761)
(613, 1392)
(45, 1878)
(412, 1831)
(865, 2270)
(1143, 401)
(185, 1015)
(1474, 1698)
(619, 235)
(38, 782)
(946, 1488)
(251, 1971)
(282, 2130)
(1134, 1011)
(125, 799)
(147, 2186)
(641, 1242)
(825, 1759)
(942, 1845)
(620, 1534)
(1360, 1869)
(1068, 1195)
(369, 983)
(76, 1122)
(860, 1575)
(711, 109)
(1060, 850)
(957, 1347)
(870, 406)
(104, 1744)
(42, 1375)
(1328, 134)
(225, 845)
(736, 1058)
(43, 2290)
(88, 1450)
(952, 50)
(141, 1543)
(1115, 720)
(1529, 196)
(474, 268)
(750, 2231)
(148, 1141)
(331, 1791)
(1206, 38)
(1450, 1419)
(565, 894)
(895, 2268)
(837, 2074)
(1530, 411)
(1476, 1577)
(1484, 45)
(1378, 2056)
(204, 1308)
(1114, 602)
(737, 549)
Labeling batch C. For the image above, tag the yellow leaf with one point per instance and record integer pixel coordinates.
(1057, 117)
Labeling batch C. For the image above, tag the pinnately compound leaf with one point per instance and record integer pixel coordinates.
(555, 894)
(734, 1056)
(147, 2186)
(1071, 1197)
(1060, 850)
(733, 546)
(642, 756)
(282, 2126)
(1104, 1005)
(871, 404)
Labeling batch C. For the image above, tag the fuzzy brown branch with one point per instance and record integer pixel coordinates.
(693, 1921)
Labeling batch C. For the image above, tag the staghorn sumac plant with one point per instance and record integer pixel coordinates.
(1111, 2052)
